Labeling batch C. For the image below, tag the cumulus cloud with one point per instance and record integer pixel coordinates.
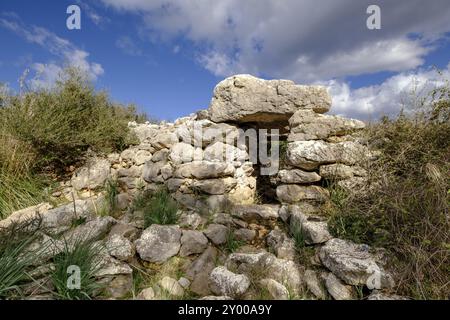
(308, 42)
(297, 39)
(403, 91)
(63, 49)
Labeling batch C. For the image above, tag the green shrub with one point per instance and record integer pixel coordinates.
(158, 207)
(62, 123)
(406, 207)
(85, 256)
(43, 131)
(18, 187)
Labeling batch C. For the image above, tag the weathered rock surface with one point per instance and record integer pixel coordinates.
(204, 170)
(354, 264)
(192, 242)
(281, 244)
(215, 186)
(309, 155)
(377, 295)
(217, 233)
(199, 270)
(146, 294)
(244, 98)
(91, 231)
(226, 283)
(171, 286)
(297, 176)
(292, 193)
(314, 285)
(92, 175)
(258, 212)
(284, 271)
(313, 228)
(309, 125)
(120, 247)
(337, 289)
(158, 243)
(275, 289)
(341, 171)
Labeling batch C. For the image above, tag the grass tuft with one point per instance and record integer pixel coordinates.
(83, 255)
(159, 207)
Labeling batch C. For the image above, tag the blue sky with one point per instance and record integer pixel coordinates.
(166, 56)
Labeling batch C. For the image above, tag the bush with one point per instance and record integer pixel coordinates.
(43, 131)
(60, 124)
(85, 256)
(406, 208)
(158, 207)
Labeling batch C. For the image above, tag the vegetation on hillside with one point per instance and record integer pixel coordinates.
(43, 131)
(406, 207)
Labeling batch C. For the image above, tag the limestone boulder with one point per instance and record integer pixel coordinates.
(158, 243)
(215, 186)
(171, 286)
(297, 176)
(276, 290)
(337, 289)
(309, 155)
(309, 125)
(255, 212)
(92, 175)
(120, 247)
(292, 193)
(354, 264)
(163, 140)
(281, 244)
(198, 271)
(183, 152)
(226, 283)
(204, 170)
(217, 233)
(192, 242)
(244, 98)
(223, 152)
(284, 271)
(341, 171)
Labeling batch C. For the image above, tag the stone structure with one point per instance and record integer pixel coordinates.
(212, 172)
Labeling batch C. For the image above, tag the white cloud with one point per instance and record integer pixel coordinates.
(400, 92)
(127, 45)
(308, 42)
(67, 52)
(297, 39)
(92, 14)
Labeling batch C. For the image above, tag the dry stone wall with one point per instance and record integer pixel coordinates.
(213, 173)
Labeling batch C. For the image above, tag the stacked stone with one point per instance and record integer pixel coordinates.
(201, 164)
(320, 147)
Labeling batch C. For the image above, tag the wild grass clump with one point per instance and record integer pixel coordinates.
(76, 255)
(406, 207)
(158, 207)
(111, 206)
(232, 243)
(45, 130)
(16, 259)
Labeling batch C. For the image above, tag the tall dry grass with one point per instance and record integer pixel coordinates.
(406, 208)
